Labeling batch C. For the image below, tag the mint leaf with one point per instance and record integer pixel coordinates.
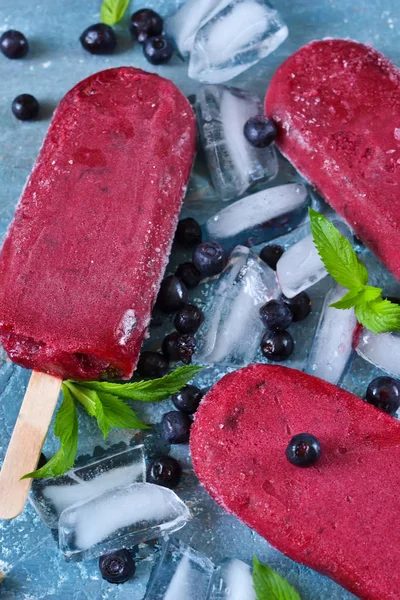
(66, 429)
(379, 315)
(112, 11)
(269, 585)
(113, 412)
(350, 299)
(336, 253)
(147, 391)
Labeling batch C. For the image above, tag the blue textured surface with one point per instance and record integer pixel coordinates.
(29, 559)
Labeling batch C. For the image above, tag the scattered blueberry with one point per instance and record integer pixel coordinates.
(42, 461)
(99, 39)
(25, 107)
(172, 295)
(158, 50)
(275, 314)
(14, 44)
(188, 399)
(188, 233)
(188, 273)
(178, 347)
(260, 131)
(165, 471)
(303, 450)
(384, 393)
(271, 254)
(277, 345)
(300, 306)
(188, 319)
(152, 365)
(209, 258)
(176, 427)
(117, 567)
(145, 23)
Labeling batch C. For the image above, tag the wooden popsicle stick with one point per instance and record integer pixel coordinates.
(26, 442)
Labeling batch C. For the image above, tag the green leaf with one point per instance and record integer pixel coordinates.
(112, 11)
(113, 412)
(350, 299)
(336, 253)
(148, 391)
(371, 293)
(66, 429)
(87, 397)
(379, 315)
(269, 585)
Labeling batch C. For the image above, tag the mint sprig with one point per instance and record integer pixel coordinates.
(269, 585)
(112, 11)
(341, 261)
(105, 402)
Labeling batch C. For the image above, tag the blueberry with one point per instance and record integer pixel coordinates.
(165, 471)
(145, 23)
(178, 347)
(209, 258)
(158, 50)
(188, 399)
(152, 365)
(260, 131)
(271, 254)
(25, 107)
(99, 39)
(172, 295)
(300, 306)
(277, 345)
(275, 314)
(188, 233)
(188, 273)
(384, 393)
(42, 460)
(117, 567)
(188, 319)
(303, 450)
(176, 427)
(14, 44)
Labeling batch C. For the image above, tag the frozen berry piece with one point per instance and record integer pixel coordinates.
(275, 314)
(99, 39)
(271, 254)
(209, 258)
(303, 450)
(178, 347)
(152, 365)
(300, 306)
(188, 232)
(176, 427)
(145, 23)
(117, 567)
(188, 399)
(188, 273)
(188, 319)
(165, 471)
(172, 295)
(260, 131)
(384, 393)
(13, 44)
(25, 107)
(158, 50)
(277, 345)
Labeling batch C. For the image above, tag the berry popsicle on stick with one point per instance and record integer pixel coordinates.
(83, 259)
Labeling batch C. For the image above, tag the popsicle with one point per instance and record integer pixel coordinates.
(83, 259)
(337, 107)
(339, 516)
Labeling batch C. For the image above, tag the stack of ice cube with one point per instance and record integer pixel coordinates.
(225, 37)
(233, 163)
(380, 349)
(260, 217)
(232, 330)
(232, 580)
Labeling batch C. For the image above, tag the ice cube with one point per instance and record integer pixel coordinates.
(181, 574)
(332, 345)
(380, 349)
(121, 517)
(183, 25)
(233, 163)
(50, 497)
(259, 217)
(300, 266)
(235, 39)
(232, 580)
(232, 330)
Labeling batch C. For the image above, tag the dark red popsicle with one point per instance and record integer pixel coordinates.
(82, 262)
(337, 107)
(339, 516)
